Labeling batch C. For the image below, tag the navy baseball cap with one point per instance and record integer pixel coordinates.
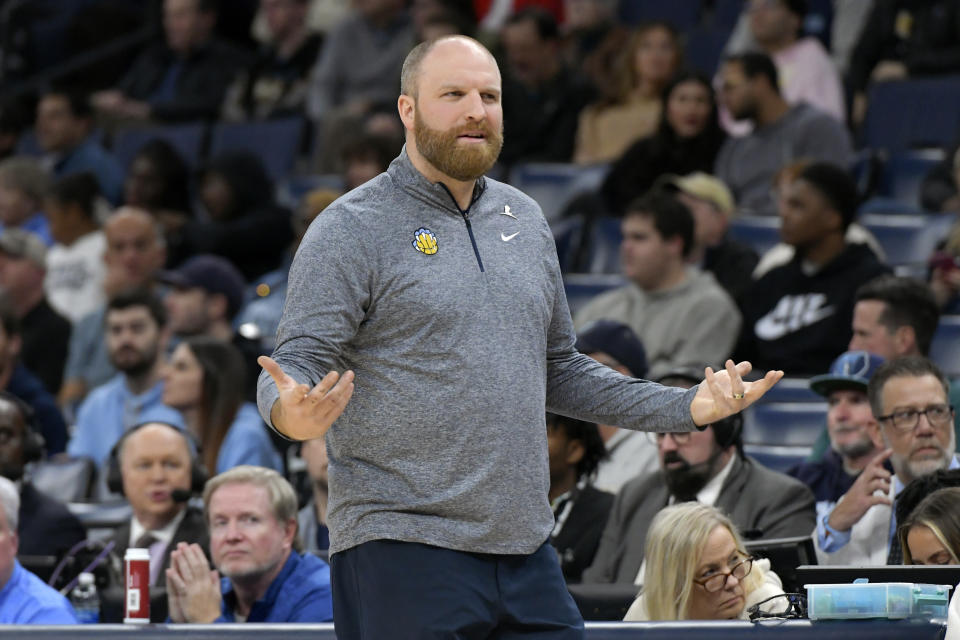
(211, 273)
(617, 340)
(851, 370)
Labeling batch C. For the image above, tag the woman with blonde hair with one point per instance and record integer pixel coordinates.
(696, 568)
(931, 535)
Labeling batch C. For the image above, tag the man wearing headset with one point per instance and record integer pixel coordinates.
(154, 466)
(46, 527)
(707, 466)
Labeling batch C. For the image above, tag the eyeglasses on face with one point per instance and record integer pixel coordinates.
(907, 419)
(718, 581)
(680, 439)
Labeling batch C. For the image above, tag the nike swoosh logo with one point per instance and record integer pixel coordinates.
(791, 314)
(508, 238)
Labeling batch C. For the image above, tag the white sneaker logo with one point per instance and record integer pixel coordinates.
(791, 314)
(506, 212)
(508, 238)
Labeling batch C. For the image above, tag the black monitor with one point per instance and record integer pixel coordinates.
(922, 574)
(785, 555)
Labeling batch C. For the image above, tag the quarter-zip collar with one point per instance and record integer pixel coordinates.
(436, 194)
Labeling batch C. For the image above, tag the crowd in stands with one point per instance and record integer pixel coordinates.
(140, 282)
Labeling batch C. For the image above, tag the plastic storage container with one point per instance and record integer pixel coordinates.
(863, 599)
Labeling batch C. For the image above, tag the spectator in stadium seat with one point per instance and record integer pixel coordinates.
(65, 132)
(276, 83)
(23, 186)
(134, 328)
(688, 545)
(908, 397)
(158, 182)
(712, 206)
(75, 267)
(797, 316)
(134, 252)
(574, 449)
(46, 526)
(24, 598)
(687, 139)
(204, 380)
(312, 518)
(904, 39)
(596, 43)
(244, 224)
(633, 107)
(708, 467)
(681, 315)
(806, 71)
(252, 516)
(184, 78)
(782, 133)
(542, 97)
(853, 433)
(44, 332)
(628, 452)
(150, 462)
(931, 535)
(893, 316)
(357, 68)
(367, 156)
(21, 382)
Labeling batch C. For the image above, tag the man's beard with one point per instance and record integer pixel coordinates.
(909, 469)
(685, 482)
(459, 161)
(857, 448)
(134, 367)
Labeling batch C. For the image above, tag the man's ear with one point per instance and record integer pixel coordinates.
(407, 106)
(905, 338)
(575, 452)
(217, 305)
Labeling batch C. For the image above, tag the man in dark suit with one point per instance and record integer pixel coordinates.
(46, 526)
(575, 449)
(154, 460)
(707, 466)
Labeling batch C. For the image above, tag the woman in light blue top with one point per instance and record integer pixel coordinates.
(204, 380)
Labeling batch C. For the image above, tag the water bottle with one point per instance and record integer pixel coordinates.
(85, 600)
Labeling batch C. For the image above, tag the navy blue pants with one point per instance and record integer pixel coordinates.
(386, 590)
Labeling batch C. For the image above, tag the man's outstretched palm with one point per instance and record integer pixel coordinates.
(303, 413)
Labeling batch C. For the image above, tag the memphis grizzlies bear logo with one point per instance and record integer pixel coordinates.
(424, 241)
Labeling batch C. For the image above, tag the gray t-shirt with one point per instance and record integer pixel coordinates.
(749, 163)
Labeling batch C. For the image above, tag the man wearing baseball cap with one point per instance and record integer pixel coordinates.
(854, 434)
(712, 206)
(629, 453)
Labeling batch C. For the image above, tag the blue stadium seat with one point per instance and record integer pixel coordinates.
(276, 142)
(187, 139)
(727, 12)
(903, 172)
(907, 239)
(583, 287)
(603, 251)
(704, 47)
(795, 424)
(568, 236)
(760, 232)
(909, 114)
(791, 390)
(683, 15)
(945, 348)
(777, 457)
(887, 206)
(291, 190)
(553, 184)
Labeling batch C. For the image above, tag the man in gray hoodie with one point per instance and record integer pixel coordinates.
(438, 294)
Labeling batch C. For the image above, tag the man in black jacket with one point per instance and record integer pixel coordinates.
(575, 449)
(46, 527)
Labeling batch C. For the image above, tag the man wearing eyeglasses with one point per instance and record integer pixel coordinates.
(908, 397)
